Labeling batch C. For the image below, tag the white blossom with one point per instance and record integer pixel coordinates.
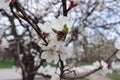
(4, 4)
(49, 54)
(117, 43)
(60, 22)
(96, 64)
(21, 56)
(105, 69)
(113, 65)
(55, 77)
(118, 54)
(63, 52)
(55, 48)
(104, 65)
(45, 70)
(48, 70)
(46, 27)
(53, 1)
(36, 60)
(56, 23)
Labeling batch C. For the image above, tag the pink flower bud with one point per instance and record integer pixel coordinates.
(73, 3)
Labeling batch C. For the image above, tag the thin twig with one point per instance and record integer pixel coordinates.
(30, 21)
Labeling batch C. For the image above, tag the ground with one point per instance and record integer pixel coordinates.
(97, 76)
(12, 74)
(15, 74)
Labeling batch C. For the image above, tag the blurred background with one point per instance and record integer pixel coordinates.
(95, 29)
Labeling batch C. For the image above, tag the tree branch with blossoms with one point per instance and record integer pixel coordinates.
(59, 37)
(23, 15)
(76, 75)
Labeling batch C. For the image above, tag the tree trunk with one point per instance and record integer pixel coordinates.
(28, 61)
(26, 76)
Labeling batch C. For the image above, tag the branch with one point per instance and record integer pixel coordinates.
(83, 75)
(64, 7)
(80, 75)
(110, 57)
(40, 74)
(29, 20)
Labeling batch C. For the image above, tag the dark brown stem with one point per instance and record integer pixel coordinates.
(64, 14)
(61, 68)
(109, 58)
(64, 7)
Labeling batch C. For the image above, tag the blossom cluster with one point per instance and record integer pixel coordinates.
(105, 67)
(55, 32)
(48, 70)
(117, 46)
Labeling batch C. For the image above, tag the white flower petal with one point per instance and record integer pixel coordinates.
(44, 55)
(105, 69)
(96, 64)
(63, 56)
(50, 58)
(112, 65)
(117, 43)
(104, 64)
(55, 77)
(46, 27)
(118, 54)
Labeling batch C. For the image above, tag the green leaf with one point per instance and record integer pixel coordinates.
(65, 29)
(54, 30)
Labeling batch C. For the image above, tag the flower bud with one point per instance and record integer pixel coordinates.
(73, 3)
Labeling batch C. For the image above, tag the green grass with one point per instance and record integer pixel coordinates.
(79, 79)
(114, 76)
(84, 79)
(51, 64)
(6, 63)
